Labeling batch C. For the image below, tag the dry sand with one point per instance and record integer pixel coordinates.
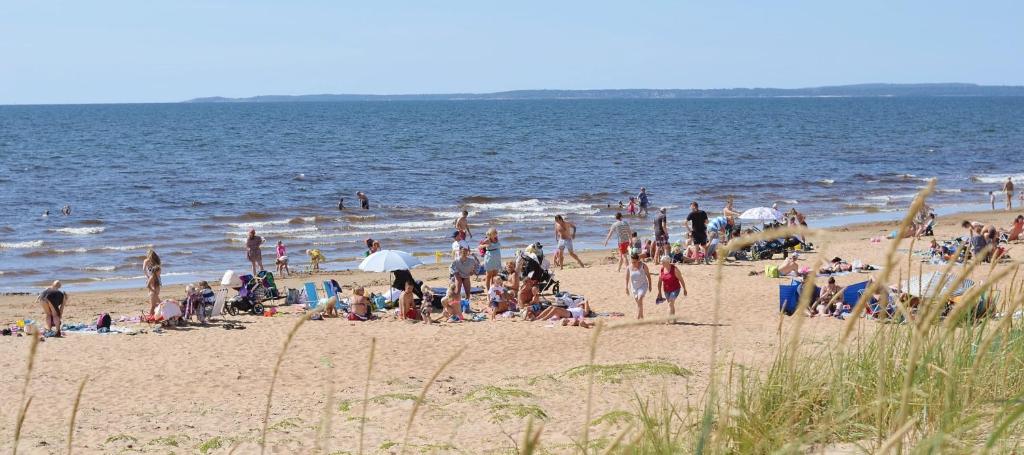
(196, 388)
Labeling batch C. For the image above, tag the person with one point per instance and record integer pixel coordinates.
(209, 300)
(926, 226)
(66, 210)
(511, 276)
(636, 246)
(407, 303)
(374, 247)
(53, 301)
(492, 256)
(462, 269)
(315, 258)
(496, 299)
(992, 199)
(364, 201)
(631, 209)
(282, 259)
(697, 224)
(359, 307)
(647, 250)
(790, 265)
(730, 213)
(644, 201)
(565, 232)
(670, 283)
(660, 234)
(151, 266)
(462, 225)
(458, 242)
(46, 212)
(451, 305)
(1020, 199)
(341, 203)
(1016, 229)
(826, 301)
(253, 251)
(1008, 189)
(638, 283)
(623, 233)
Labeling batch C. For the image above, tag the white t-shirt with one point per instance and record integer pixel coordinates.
(495, 293)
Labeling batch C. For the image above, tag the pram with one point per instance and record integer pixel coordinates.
(533, 268)
(252, 292)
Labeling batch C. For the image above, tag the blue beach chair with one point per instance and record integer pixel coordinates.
(312, 297)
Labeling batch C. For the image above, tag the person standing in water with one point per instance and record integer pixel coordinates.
(565, 232)
(253, 252)
(462, 225)
(1008, 189)
(341, 203)
(364, 201)
(152, 266)
(644, 202)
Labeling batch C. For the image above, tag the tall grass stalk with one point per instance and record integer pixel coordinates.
(423, 395)
(30, 363)
(273, 378)
(366, 392)
(74, 412)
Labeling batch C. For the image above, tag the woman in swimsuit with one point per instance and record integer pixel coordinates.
(638, 283)
(492, 256)
(151, 266)
(253, 251)
(360, 306)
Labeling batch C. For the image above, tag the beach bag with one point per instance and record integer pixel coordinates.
(771, 271)
(292, 297)
(103, 322)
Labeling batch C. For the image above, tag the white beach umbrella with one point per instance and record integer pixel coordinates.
(761, 214)
(389, 261)
(934, 283)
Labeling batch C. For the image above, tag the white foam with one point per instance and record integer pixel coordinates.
(127, 247)
(415, 225)
(21, 245)
(996, 178)
(259, 224)
(892, 197)
(73, 250)
(80, 230)
(452, 215)
(535, 205)
(826, 181)
(284, 232)
(105, 268)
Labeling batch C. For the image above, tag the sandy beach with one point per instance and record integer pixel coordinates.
(203, 389)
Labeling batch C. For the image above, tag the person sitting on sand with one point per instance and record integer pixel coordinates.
(926, 226)
(451, 305)
(567, 316)
(359, 305)
(529, 300)
(53, 301)
(970, 226)
(790, 265)
(825, 303)
(497, 299)
(511, 277)
(1014, 232)
(426, 303)
(407, 303)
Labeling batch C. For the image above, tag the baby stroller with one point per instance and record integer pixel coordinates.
(252, 292)
(533, 268)
(763, 249)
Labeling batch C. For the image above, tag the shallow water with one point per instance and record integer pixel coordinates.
(190, 179)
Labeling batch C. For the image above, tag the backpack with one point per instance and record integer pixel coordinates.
(103, 322)
(771, 271)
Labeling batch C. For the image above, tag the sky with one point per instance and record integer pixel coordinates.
(104, 51)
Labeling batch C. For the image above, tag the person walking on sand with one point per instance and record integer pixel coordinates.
(660, 234)
(152, 267)
(643, 200)
(53, 301)
(462, 225)
(253, 251)
(364, 201)
(670, 284)
(565, 232)
(624, 234)
(638, 283)
(697, 224)
(1008, 189)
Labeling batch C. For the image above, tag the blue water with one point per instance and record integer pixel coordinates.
(190, 179)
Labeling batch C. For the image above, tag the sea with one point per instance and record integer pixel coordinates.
(189, 180)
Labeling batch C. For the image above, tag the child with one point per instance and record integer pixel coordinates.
(426, 303)
(632, 207)
(407, 303)
(496, 297)
(315, 258)
(209, 301)
(634, 244)
(282, 260)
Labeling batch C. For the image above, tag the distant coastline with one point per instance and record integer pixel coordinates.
(837, 91)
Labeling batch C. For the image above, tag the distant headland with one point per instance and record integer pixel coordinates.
(858, 90)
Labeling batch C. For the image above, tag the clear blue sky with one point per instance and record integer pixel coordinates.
(140, 50)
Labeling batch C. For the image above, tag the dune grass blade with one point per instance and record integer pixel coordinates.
(33, 346)
(366, 392)
(74, 412)
(423, 394)
(273, 378)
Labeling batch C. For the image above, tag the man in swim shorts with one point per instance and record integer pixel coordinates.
(624, 234)
(697, 224)
(565, 232)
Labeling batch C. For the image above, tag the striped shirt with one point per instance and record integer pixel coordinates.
(622, 229)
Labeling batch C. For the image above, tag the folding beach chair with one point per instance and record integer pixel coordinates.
(329, 289)
(312, 298)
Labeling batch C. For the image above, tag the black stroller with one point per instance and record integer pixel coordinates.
(532, 268)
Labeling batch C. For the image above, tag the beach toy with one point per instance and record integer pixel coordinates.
(437, 257)
(465, 305)
(267, 313)
(21, 324)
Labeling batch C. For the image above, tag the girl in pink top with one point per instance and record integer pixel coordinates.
(282, 260)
